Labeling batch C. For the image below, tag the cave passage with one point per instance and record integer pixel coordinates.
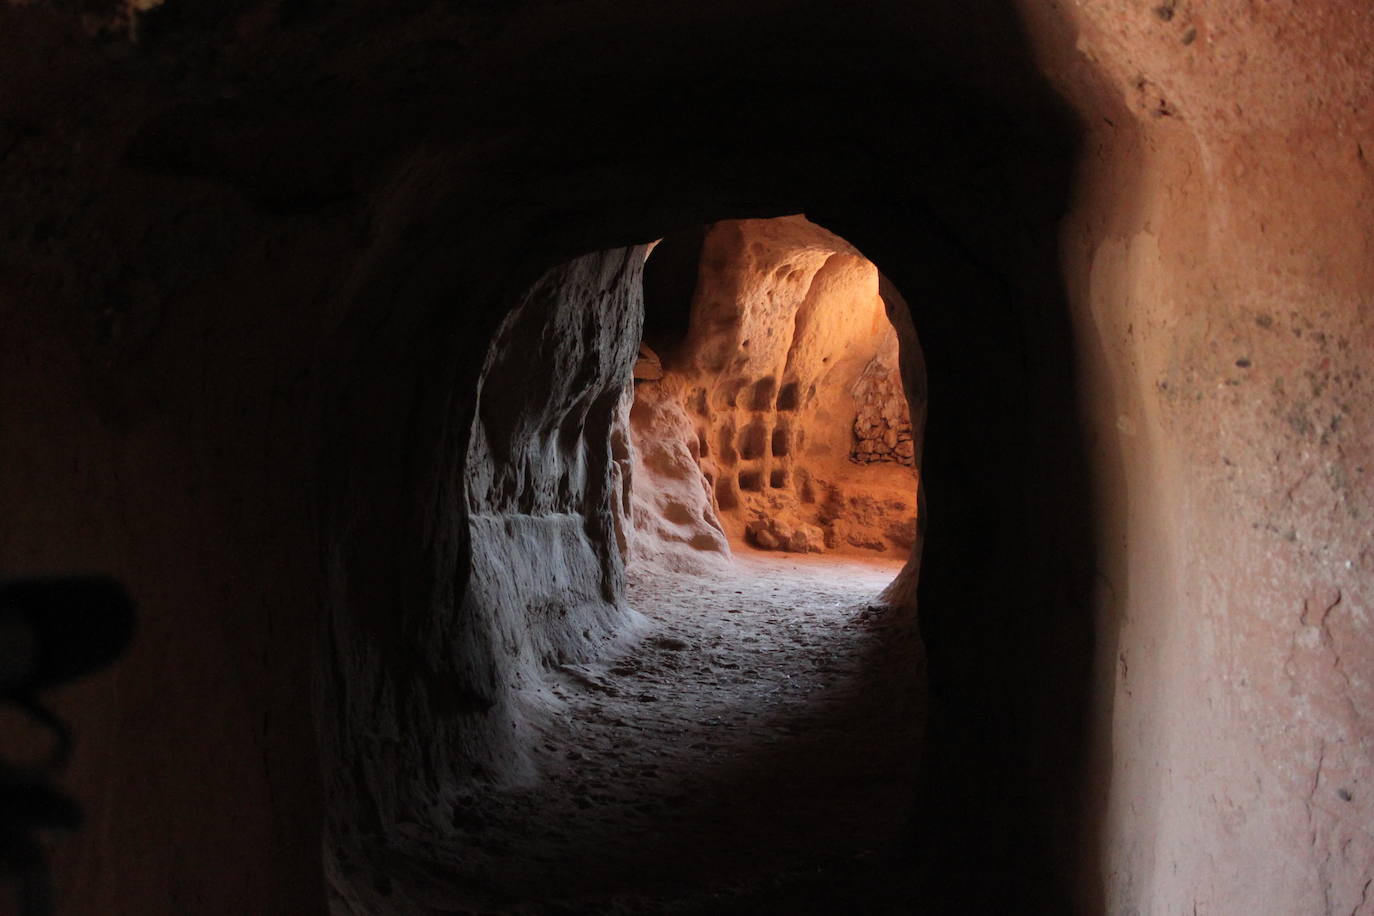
(748, 741)
(748, 748)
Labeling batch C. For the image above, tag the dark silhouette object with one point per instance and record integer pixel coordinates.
(51, 631)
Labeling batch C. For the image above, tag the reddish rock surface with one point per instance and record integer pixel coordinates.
(787, 349)
(1219, 270)
(673, 523)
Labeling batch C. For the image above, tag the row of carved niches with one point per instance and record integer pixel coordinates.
(740, 394)
(762, 439)
(786, 323)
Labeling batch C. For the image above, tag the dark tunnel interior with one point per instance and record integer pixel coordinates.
(967, 233)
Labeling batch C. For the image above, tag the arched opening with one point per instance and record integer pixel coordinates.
(516, 567)
(744, 712)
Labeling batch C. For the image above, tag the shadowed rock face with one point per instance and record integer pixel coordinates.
(310, 316)
(530, 580)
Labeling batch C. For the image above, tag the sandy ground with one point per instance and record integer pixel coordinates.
(752, 752)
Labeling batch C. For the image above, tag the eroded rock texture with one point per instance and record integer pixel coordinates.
(786, 353)
(673, 520)
(526, 576)
(882, 429)
(1219, 262)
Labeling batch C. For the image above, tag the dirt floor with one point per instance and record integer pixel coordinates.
(752, 751)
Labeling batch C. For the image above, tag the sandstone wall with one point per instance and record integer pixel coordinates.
(1219, 263)
(786, 326)
(673, 522)
(529, 576)
(882, 429)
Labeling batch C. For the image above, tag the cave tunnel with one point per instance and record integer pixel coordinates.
(315, 321)
(755, 722)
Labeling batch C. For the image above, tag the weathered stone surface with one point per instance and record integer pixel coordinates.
(775, 533)
(787, 341)
(647, 366)
(673, 520)
(883, 423)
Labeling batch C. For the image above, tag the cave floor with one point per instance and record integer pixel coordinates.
(752, 751)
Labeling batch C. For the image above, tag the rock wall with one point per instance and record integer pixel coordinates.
(786, 327)
(535, 582)
(882, 430)
(673, 522)
(1219, 264)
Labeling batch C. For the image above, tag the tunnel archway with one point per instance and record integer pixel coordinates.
(988, 305)
(756, 722)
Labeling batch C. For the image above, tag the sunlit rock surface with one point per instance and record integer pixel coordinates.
(787, 344)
